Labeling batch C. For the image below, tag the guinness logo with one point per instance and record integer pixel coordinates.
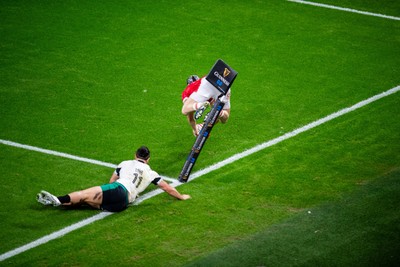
(226, 72)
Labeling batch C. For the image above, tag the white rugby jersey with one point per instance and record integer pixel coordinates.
(135, 176)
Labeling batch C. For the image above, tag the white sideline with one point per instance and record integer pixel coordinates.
(56, 153)
(195, 175)
(65, 155)
(292, 133)
(345, 9)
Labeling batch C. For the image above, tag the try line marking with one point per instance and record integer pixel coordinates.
(175, 182)
(65, 155)
(345, 9)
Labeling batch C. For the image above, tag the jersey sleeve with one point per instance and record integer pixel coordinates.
(156, 178)
(118, 168)
(193, 87)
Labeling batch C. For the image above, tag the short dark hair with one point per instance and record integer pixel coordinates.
(143, 152)
(192, 78)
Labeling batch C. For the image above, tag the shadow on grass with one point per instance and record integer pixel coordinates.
(361, 229)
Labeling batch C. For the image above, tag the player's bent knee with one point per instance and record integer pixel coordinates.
(184, 112)
(186, 109)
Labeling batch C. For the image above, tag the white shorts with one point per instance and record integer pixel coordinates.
(207, 91)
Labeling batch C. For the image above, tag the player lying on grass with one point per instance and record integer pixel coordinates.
(199, 94)
(130, 178)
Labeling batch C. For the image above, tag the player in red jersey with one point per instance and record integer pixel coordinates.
(198, 94)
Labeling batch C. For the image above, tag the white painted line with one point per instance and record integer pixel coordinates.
(58, 154)
(54, 235)
(345, 9)
(65, 155)
(205, 171)
(76, 226)
(286, 136)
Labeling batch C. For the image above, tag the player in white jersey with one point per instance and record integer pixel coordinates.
(130, 178)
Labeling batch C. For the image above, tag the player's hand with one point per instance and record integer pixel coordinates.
(198, 129)
(185, 197)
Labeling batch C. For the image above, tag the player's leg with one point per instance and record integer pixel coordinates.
(189, 108)
(190, 105)
(92, 196)
(192, 123)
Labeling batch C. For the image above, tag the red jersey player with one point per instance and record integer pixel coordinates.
(198, 94)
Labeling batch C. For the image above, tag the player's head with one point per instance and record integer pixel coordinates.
(192, 78)
(143, 152)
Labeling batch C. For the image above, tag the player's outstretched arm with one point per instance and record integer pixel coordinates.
(172, 191)
(224, 116)
(113, 178)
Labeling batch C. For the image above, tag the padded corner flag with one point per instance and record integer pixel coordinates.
(200, 141)
(222, 77)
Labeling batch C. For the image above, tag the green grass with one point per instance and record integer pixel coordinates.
(363, 233)
(98, 79)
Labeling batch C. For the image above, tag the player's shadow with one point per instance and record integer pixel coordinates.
(40, 207)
